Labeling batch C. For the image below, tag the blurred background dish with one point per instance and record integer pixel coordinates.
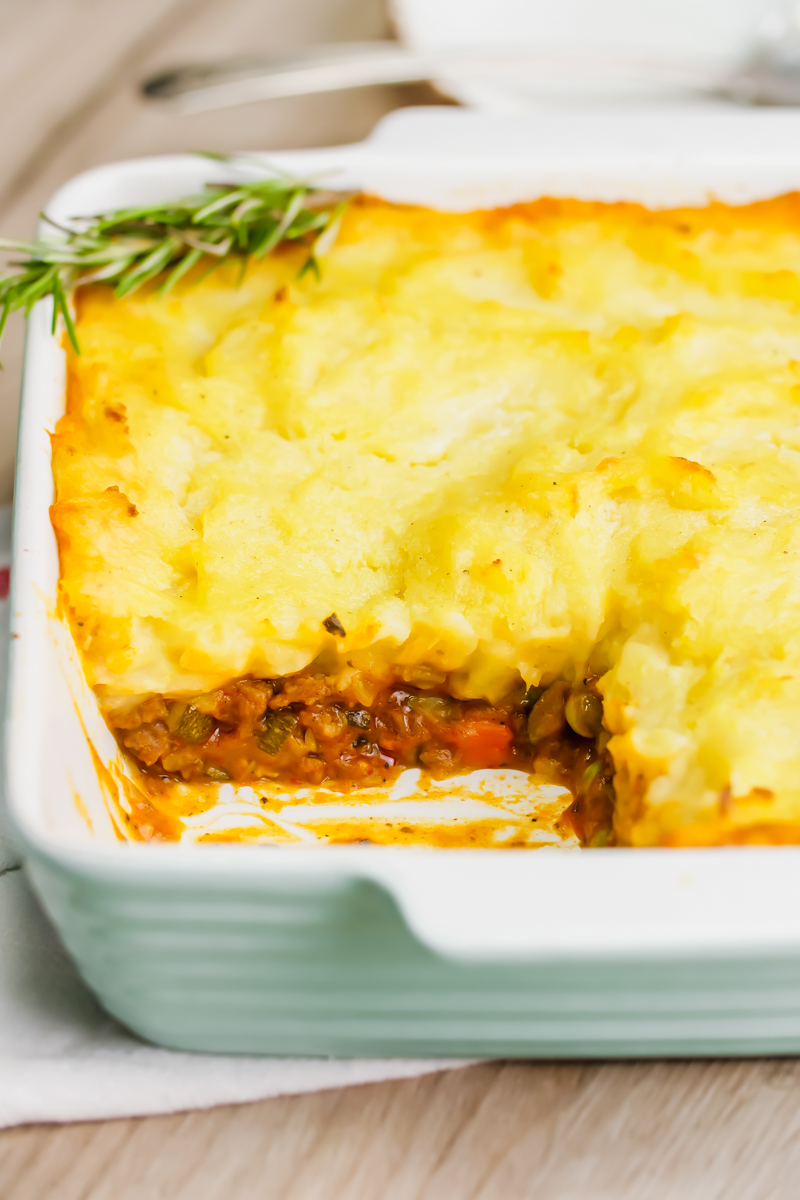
(764, 74)
(724, 31)
(619, 52)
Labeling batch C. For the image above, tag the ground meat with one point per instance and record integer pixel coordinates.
(347, 730)
(148, 742)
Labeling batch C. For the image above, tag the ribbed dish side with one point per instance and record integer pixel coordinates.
(335, 971)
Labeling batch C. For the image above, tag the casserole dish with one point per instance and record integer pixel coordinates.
(387, 950)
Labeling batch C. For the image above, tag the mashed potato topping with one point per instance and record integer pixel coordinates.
(502, 447)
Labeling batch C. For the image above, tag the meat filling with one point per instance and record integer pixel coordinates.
(314, 729)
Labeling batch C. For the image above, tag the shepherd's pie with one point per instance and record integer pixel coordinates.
(516, 488)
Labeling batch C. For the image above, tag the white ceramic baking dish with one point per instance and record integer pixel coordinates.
(380, 950)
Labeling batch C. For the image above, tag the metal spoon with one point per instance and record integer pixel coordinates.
(769, 75)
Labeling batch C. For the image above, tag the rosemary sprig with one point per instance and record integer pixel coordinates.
(135, 245)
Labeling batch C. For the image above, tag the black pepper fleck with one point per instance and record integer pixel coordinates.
(334, 625)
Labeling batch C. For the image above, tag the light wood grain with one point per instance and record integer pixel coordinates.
(698, 1131)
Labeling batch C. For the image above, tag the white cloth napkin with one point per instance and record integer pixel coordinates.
(63, 1059)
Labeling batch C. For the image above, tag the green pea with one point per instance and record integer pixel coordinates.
(584, 712)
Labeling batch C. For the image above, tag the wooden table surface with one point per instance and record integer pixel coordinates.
(570, 1131)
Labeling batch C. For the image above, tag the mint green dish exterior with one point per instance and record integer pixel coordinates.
(358, 950)
(330, 967)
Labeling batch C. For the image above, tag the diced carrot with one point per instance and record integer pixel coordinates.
(482, 743)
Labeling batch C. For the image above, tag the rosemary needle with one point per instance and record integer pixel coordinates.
(132, 246)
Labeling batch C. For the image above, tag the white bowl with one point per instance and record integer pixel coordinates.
(713, 31)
